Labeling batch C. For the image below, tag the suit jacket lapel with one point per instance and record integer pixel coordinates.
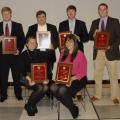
(12, 29)
(48, 28)
(108, 24)
(75, 28)
(1, 29)
(97, 24)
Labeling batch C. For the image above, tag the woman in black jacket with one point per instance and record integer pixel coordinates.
(29, 56)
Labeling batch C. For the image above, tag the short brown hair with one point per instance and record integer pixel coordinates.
(102, 4)
(71, 7)
(30, 37)
(40, 12)
(6, 9)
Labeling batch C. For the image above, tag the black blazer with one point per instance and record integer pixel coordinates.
(28, 57)
(113, 27)
(54, 34)
(17, 30)
(80, 30)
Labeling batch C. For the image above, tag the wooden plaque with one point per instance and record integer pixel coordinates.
(63, 74)
(102, 40)
(9, 45)
(62, 36)
(43, 40)
(39, 72)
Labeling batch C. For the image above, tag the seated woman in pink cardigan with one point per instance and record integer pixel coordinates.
(73, 56)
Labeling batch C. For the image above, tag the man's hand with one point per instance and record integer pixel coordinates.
(94, 35)
(1, 38)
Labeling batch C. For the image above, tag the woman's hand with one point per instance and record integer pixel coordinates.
(46, 82)
(17, 52)
(73, 78)
(31, 83)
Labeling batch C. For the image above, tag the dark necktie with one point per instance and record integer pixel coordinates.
(7, 30)
(102, 26)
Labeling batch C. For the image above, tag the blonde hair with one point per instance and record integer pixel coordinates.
(6, 9)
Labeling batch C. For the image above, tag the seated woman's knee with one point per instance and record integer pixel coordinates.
(53, 88)
(63, 90)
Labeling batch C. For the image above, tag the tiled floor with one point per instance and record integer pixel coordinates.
(106, 110)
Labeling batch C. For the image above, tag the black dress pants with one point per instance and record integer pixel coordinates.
(7, 62)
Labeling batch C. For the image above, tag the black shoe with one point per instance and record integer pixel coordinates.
(75, 112)
(19, 97)
(30, 110)
(3, 98)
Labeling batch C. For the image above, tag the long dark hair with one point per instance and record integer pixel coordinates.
(75, 50)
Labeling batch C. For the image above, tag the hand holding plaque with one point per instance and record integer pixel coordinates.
(63, 74)
(9, 45)
(39, 72)
(102, 40)
(62, 36)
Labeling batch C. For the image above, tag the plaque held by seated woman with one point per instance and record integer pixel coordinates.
(63, 74)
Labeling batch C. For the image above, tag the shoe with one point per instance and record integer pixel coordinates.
(30, 110)
(75, 112)
(93, 98)
(3, 98)
(116, 101)
(19, 98)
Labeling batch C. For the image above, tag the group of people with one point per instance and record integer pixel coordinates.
(73, 53)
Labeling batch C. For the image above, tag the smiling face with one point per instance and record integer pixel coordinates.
(103, 11)
(69, 44)
(71, 13)
(32, 44)
(6, 15)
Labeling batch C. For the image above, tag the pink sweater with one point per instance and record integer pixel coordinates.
(79, 65)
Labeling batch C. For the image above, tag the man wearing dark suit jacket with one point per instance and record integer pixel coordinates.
(43, 26)
(106, 57)
(75, 26)
(7, 61)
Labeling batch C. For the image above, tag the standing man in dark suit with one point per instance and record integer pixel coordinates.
(75, 26)
(106, 57)
(7, 61)
(43, 26)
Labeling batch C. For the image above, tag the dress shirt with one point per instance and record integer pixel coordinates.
(72, 25)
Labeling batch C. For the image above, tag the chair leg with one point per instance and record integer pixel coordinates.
(58, 109)
(81, 98)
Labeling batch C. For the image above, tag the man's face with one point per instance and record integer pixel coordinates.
(6, 15)
(103, 11)
(71, 14)
(41, 19)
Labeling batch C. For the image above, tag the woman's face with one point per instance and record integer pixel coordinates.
(69, 44)
(32, 44)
